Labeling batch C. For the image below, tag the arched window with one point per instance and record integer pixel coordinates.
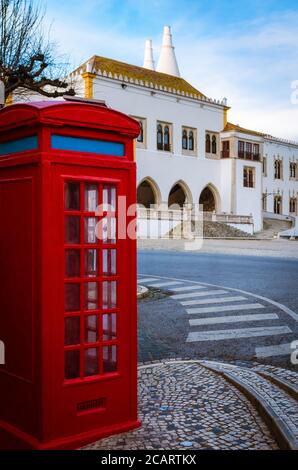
(166, 138)
(208, 144)
(191, 143)
(293, 205)
(277, 170)
(277, 205)
(184, 140)
(292, 170)
(159, 137)
(214, 144)
(141, 134)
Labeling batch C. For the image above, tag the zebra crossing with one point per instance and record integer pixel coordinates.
(216, 300)
(210, 319)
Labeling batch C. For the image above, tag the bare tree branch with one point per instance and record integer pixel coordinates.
(28, 60)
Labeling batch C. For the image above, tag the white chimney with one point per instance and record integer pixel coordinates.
(167, 60)
(148, 56)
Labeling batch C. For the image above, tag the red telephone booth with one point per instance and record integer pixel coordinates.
(67, 274)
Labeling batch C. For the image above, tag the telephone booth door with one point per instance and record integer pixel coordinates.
(96, 346)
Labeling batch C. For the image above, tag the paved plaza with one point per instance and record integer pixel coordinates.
(214, 350)
(184, 405)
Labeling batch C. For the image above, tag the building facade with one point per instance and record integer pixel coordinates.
(187, 151)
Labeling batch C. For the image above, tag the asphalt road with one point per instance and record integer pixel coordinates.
(165, 329)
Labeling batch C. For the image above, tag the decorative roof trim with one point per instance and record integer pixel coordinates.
(242, 130)
(99, 68)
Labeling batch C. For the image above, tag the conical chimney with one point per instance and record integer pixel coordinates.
(167, 60)
(148, 56)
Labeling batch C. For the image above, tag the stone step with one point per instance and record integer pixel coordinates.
(277, 406)
(210, 230)
(272, 227)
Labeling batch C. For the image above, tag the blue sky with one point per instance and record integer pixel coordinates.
(245, 51)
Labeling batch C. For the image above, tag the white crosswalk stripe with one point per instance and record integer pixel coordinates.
(214, 300)
(224, 308)
(277, 350)
(165, 284)
(234, 319)
(147, 279)
(199, 294)
(218, 335)
(187, 288)
(211, 300)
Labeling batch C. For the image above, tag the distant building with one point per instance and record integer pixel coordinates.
(187, 151)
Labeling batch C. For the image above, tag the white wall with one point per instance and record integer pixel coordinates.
(249, 200)
(167, 168)
(285, 186)
(196, 172)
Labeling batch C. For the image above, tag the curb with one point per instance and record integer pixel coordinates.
(281, 383)
(281, 432)
(142, 292)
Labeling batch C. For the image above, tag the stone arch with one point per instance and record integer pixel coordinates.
(210, 199)
(148, 193)
(179, 195)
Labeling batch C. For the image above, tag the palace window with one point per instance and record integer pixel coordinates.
(166, 139)
(241, 145)
(278, 170)
(256, 151)
(225, 149)
(211, 143)
(208, 143)
(264, 202)
(214, 144)
(277, 204)
(264, 167)
(191, 141)
(293, 170)
(249, 177)
(159, 137)
(248, 150)
(141, 139)
(293, 205)
(188, 141)
(163, 136)
(184, 140)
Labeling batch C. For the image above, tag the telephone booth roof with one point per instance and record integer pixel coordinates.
(67, 113)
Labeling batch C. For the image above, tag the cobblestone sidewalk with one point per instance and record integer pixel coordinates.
(184, 405)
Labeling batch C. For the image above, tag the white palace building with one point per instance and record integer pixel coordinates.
(187, 151)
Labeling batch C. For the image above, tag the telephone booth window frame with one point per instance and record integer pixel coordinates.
(76, 365)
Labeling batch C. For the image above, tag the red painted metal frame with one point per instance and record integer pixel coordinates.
(39, 409)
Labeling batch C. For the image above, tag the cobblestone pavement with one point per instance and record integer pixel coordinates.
(280, 402)
(184, 405)
(289, 376)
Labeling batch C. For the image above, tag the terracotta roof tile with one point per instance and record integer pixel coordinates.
(149, 78)
(243, 130)
(236, 128)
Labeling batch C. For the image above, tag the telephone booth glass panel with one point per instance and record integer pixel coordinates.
(90, 283)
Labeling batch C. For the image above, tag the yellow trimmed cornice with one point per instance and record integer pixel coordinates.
(88, 84)
(225, 117)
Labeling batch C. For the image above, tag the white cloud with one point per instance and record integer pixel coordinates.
(252, 64)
